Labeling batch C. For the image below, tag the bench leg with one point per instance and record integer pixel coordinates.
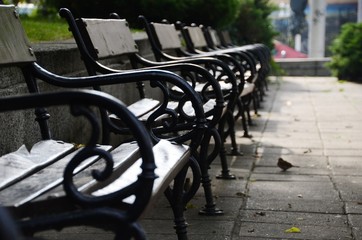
(204, 161)
(256, 101)
(227, 118)
(231, 132)
(177, 200)
(246, 102)
(241, 113)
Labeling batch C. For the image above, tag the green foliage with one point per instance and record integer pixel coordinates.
(346, 51)
(253, 24)
(208, 12)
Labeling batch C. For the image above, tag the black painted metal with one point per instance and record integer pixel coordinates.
(193, 126)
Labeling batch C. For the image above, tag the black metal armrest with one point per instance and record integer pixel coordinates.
(157, 78)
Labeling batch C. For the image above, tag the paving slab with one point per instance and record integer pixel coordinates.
(277, 231)
(294, 218)
(311, 206)
(346, 165)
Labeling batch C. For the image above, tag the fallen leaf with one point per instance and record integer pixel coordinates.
(241, 194)
(293, 230)
(308, 151)
(260, 213)
(77, 146)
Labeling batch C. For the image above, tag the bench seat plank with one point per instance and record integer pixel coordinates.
(143, 106)
(169, 158)
(18, 164)
(41, 182)
(171, 105)
(248, 89)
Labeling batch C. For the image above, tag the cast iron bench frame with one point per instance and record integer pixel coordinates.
(19, 53)
(100, 39)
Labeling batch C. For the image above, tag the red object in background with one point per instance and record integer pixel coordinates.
(284, 51)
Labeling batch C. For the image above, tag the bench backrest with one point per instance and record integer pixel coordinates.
(214, 37)
(109, 37)
(15, 50)
(167, 35)
(14, 45)
(196, 36)
(225, 38)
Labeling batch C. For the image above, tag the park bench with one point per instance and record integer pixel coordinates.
(261, 51)
(101, 182)
(167, 45)
(103, 39)
(201, 40)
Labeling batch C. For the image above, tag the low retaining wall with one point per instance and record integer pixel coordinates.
(304, 66)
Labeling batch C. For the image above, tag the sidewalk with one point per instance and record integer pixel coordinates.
(313, 123)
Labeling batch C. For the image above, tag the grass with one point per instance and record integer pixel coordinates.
(45, 29)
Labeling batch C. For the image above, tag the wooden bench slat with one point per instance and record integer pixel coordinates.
(16, 165)
(248, 88)
(171, 105)
(106, 40)
(168, 36)
(169, 158)
(41, 182)
(140, 108)
(14, 44)
(143, 106)
(197, 37)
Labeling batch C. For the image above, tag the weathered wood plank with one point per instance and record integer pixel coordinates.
(169, 158)
(197, 37)
(167, 35)
(14, 45)
(16, 165)
(40, 182)
(110, 37)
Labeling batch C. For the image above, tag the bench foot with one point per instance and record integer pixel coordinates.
(247, 135)
(225, 172)
(211, 211)
(235, 152)
(181, 228)
(226, 175)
